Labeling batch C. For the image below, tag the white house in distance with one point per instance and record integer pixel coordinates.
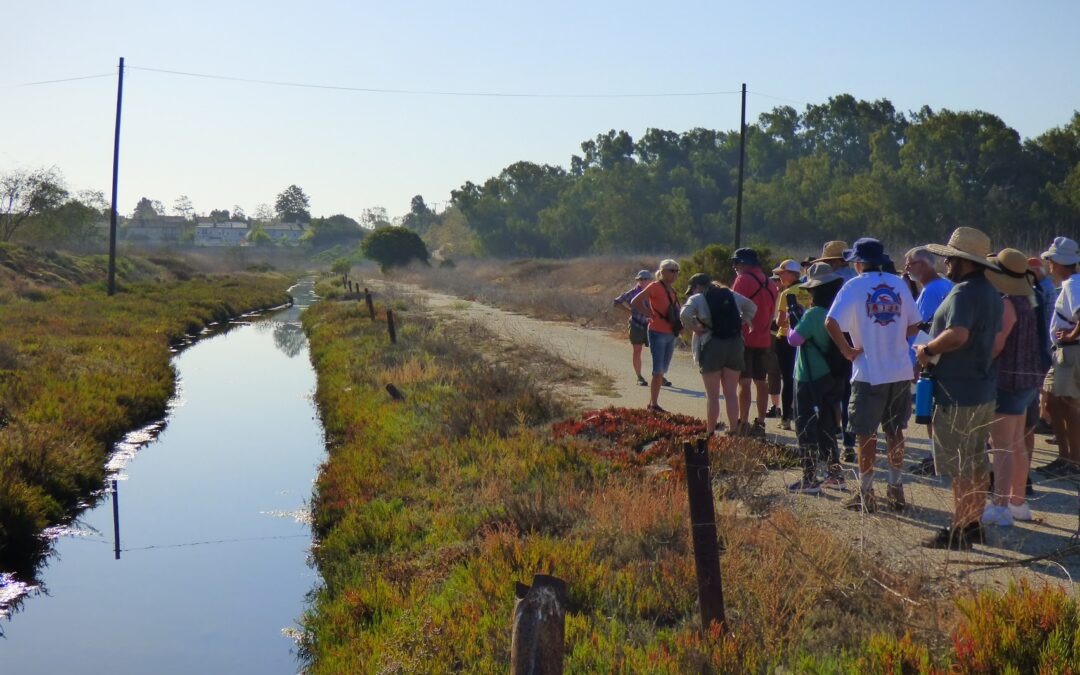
(227, 233)
(284, 233)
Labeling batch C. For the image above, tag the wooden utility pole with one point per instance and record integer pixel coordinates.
(742, 161)
(115, 175)
(536, 643)
(703, 529)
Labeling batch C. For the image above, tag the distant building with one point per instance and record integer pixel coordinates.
(285, 233)
(228, 233)
(156, 230)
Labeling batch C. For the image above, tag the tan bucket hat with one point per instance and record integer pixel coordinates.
(967, 243)
(832, 250)
(1015, 277)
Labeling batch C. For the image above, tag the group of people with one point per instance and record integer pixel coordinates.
(847, 333)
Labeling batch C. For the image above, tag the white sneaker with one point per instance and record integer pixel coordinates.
(1021, 511)
(997, 515)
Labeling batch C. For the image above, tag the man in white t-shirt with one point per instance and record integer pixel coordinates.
(1062, 385)
(877, 310)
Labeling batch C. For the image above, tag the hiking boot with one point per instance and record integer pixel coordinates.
(894, 497)
(996, 515)
(785, 425)
(956, 538)
(860, 501)
(849, 453)
(773, 413)
(642, 381)
(1059, 468)
(667, 382)
(758, 429)
(925, 468)
(805, 486)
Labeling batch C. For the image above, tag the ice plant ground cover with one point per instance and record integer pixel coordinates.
(429, 509)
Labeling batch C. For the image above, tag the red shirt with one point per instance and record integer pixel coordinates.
(659, 300)
(762, 292)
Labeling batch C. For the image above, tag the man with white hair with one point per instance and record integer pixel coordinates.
(1062, 384)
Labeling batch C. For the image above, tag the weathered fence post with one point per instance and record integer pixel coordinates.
(536, 644)
(390, 326)
(703, 529)
(370, 304)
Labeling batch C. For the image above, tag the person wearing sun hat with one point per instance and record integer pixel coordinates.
(832, 252)
(963, 333)
(660, 303)
(790, 305)
(1016, 349)
(878, 312)
(639, 322)
(1062, 384)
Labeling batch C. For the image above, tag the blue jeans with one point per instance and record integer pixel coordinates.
(662, 348)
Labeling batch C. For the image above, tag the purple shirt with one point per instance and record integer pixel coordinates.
(636, 317)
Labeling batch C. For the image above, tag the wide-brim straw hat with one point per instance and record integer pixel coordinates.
(832, 250)
(1015, 276)
(820, 274)
(969, 244)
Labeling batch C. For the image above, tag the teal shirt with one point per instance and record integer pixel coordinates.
(810, 360)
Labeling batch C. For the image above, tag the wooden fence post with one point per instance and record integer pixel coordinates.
(370, 304)
(703, 529)
(390, 326)
(536, 644)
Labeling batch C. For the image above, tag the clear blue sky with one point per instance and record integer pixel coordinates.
(224, 142)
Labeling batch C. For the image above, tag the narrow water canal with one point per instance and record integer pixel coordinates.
(212, 574)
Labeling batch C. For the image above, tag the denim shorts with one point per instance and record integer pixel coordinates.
(1014, 402)
(662, 348)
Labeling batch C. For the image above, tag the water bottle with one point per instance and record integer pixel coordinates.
(924, 397)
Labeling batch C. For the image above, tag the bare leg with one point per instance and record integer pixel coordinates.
(762, 390)
(1071, 408)
(729, 379)
(1056, 408)
(745, 383)
(896, 449)
(654, 388)
(712, 399)
(637, 359)
(969, 495)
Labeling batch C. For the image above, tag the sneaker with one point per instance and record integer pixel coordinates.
(860, 501)
(996, 515)
(1021, 511)
(894, 497)
(785, 425)
(773, 413)
(925, 468)
(1059, 468)
(849, 454)
(667, 382)
(834, 480)
(642, 381)
(757, 430)
(806, 486)
(956, 539)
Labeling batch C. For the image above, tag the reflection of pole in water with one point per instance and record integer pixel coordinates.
(115, 522)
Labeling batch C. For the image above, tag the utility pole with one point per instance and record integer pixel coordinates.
(742, 161)
(115, 174)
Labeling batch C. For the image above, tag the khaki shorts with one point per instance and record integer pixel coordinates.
(960, 434)
(1064, 376)
(718, 354)
(886, 404)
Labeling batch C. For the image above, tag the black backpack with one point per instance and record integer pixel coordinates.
(726, 320)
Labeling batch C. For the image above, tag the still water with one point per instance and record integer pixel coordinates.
(212, 574)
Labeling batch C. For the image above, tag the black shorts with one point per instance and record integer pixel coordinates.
(755, 363)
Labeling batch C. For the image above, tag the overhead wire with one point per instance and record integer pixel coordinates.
(64, 79)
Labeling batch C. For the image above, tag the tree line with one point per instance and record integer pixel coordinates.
(839, 169)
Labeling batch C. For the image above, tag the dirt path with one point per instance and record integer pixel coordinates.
(889, 536)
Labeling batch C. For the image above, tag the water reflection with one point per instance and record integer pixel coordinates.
(215, 525)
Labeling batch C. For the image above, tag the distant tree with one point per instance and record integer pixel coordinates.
(260, 237)
(341, 266)
(145, 209)
(263, 213)
(238, 213)
(394, 247)
(419, 218)
(76, 222)
(183, 207)
(159, 208)
(374, 217)
(219, 215)
(333, 230)
(292, 205)
(24, 194)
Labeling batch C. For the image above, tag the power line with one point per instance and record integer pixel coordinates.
(66, 79)
(429, 92)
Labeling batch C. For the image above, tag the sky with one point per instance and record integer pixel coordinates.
(224, 142)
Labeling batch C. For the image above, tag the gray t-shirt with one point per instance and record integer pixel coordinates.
(967, 376)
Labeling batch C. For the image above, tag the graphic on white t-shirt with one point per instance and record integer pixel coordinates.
(876, 309)
(883, 304)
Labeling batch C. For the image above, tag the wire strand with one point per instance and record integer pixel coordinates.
(427, 92)
(65, 79)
